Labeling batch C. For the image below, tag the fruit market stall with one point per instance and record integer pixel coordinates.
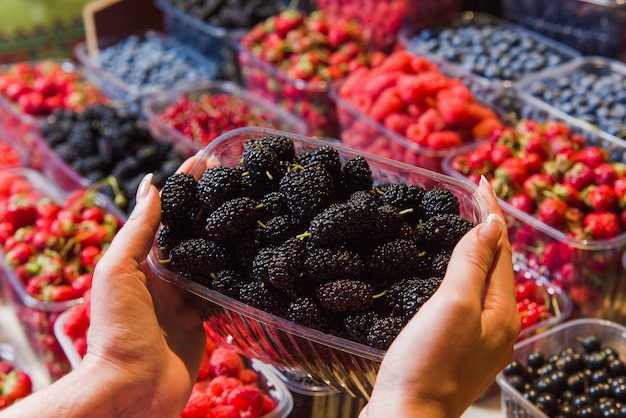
(345, 110)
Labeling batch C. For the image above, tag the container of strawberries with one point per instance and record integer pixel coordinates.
(414, 110)
(31, 90)
(563, 192)
(293, 58)
(50, 243)
(16, 380)
(198, 113)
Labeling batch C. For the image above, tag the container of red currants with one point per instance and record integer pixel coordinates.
(302, 328)
(196, 114)
(50, 244)
(574, 369)
(562, 191)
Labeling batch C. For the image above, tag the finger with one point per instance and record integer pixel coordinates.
(134, 240)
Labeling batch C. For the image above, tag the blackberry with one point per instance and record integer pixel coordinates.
(439, 262)
(265, 297)
(396, 259)
(178, 197)
(356, 174)
(231, 220)
(403, 197)
(440, 201)
(282, 146)
(384, 331)
(218, 184)
(261, 163)
(279, 228)
(357, 325)
(227, 282)
(407, 296)
(345, 296)
(284, 268)
(326, 155)
(306, 191)
(445, 230)
(305, 311)
(198, 257)
(326, 264)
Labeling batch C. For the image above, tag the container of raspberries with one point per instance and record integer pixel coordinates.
(293, 58)
(574, 369)
(228, 384)
(410, 109)
(196, 114)
(564, 199)
(382, 20)
(587, 92)
(31, 90)
(495, 50)
(210, 27)
(50, 243)
(592, 27)
(308, 255)
(134, 66)
(16, 380)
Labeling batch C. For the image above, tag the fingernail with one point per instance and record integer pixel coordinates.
(484, 181)
(144, 187)
(492, 228)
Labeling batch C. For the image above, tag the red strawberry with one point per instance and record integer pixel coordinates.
(225, 362)
(619, 185)
(602, 225)
(513, 170)
(601, 197)
(523, 202)
(569, 194)
(499, 153)
(605, 173)
(579, 175)
(591, 156)
(533, 161)
(17, 384)
(76, 322)
(552, 211)
(247, 400)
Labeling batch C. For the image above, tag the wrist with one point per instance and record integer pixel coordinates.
(403, 407)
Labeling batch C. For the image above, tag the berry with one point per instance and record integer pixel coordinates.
(178, 197)
(198, 257)
(306, 311)
(231, 220)
(218, 184)
(445, 230)
(382, 333)
(225, 362)
(345, 295)
(326, 264)
(552, 212)
(440, 201)
(248, 400)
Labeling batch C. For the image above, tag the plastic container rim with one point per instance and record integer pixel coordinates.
(207, 28)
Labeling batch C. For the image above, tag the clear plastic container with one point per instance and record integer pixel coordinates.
(308, 100)
(275, 117)
(594, 27)
(591, 272)
(552, 342)
(10, 355)
(66, 342)
(36, 316)
(502, 58)
(339, 363)
(116, 88)
(382, 20)
(604, 117)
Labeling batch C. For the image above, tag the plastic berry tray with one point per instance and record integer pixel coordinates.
(359, 131)
(591, 272)
(610, 125)
(118, 89)
(308, 100)
(37, 317)
(274, 116)
(612, 334)
(590, 26)
(408, 38)
(337, 362)
(383, 20)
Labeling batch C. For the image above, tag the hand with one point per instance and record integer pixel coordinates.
(145, 344)
(453, 348)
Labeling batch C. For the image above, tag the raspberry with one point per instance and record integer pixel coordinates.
(224, 411)
(418, 133)
(225, 362)
(443, 139)
(220, 387)
(198, 406)
(247, 400)
(454, 111)
(248, 376)
(376, 84)
(388, 102)
(398, 61)
(432, 120)
(398, 122)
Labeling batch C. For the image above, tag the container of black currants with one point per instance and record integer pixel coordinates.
(576, 369)
(294, 287)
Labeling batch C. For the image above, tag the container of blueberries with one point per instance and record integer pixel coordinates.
(574, 369)
(592, 27)
(496, 51)
(134, 66)
(263, 316)
(209, 27)
(588, 92)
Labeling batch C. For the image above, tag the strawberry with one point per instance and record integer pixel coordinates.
(602, 225)
(605, 173)
(533, 161)
(76, 322)
(579, 175)
(17, 385)
(569, 194)
(601, 197)
(513, 170)
(591, 156)
(619, 185)
(552, 211)
(499, 153)
(523, 202)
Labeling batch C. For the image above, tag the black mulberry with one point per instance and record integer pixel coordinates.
(231, 220)
(345, 296)
(440, 201)
(178, 197)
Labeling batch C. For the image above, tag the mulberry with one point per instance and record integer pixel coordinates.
(231, 220)
(305, 311)
(325, 155)
(217, 185)
(396, 259)
(306, 191)
(407, 296)
(358, 325)
(264, 297)
(282, 146)
(326, 264)
(440, 201)
(445, 230)
(356, 174)
(384, 331)
(404, 197)
(198, 257)
(178, 197)
(345, 296)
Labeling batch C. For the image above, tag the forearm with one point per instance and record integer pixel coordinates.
(403, 408)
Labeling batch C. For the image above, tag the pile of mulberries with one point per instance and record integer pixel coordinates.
(311, 237)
